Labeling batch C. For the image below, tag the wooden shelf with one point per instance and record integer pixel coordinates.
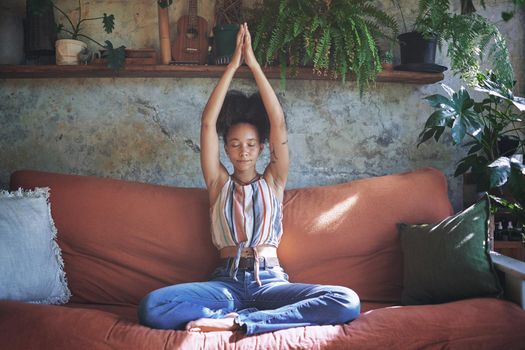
(514, 249)
(188, 71)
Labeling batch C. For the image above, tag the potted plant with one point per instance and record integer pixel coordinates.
(481, 126)
(228, 16)
(508, 15)
(336, 37)
(417, 51)
(468, 34)
(387, 60)
(69, 47)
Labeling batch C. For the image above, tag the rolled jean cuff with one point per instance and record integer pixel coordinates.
(247, 327)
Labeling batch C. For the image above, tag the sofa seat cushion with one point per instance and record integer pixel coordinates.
(129, 312)
(482, 323)
(125, 311)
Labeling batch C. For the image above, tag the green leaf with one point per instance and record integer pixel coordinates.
(494, 87)
(425, 135)
(116, 56)
(448, 89)
(465, 164)
(109, 23)
(438, 118)
(478, 107)
(516, 181)
(439, 132)
(476, 148)
(458, 130)
(438, 101)
(474, 126)
(499, 171)
(462, 100)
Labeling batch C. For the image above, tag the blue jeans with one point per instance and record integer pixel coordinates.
(276, 304)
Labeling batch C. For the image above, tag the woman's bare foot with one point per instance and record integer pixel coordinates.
(213, 324)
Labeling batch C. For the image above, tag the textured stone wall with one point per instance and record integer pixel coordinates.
(147, 129)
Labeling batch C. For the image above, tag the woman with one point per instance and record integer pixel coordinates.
(250, 290)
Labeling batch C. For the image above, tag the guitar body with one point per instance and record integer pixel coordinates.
(191, 45)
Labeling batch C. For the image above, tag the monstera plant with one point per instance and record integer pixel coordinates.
(483, 126)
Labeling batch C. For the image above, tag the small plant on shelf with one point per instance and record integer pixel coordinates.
(73, 30)
(387, 60)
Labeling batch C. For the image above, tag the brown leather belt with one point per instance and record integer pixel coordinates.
(249, 252)
(249, 263)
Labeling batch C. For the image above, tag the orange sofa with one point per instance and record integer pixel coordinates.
(122, 239)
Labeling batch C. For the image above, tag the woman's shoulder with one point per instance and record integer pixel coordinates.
(277, 189)
(217, 188)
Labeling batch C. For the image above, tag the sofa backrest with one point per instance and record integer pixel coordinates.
(122, 239)
(346, 234)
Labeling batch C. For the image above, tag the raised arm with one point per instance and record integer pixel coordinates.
(277, 170)
(214, 172)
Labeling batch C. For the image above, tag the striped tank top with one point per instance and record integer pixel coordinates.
(246, 216)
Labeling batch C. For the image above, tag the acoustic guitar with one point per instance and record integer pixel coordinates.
(191, 45)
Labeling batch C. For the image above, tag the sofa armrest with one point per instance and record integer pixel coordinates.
(514, 282)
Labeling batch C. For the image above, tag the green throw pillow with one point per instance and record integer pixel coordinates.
(449, 260)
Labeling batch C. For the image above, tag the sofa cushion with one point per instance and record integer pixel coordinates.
(449, 260)
(346, 234)
(31, 266)
(121, 240)
(467, 324)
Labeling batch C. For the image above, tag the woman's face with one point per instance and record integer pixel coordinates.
(242, 146)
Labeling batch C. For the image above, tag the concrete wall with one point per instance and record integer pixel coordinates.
(147, 129)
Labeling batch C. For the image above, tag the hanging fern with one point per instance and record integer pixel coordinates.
(337, 37)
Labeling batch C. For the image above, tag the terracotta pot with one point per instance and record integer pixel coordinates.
(67, 51)
(387, 66)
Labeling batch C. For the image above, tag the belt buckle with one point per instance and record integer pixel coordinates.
(246, 254)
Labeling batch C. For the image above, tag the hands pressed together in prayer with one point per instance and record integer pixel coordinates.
(243, 49)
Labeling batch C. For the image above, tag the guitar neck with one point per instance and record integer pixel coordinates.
(192, 11)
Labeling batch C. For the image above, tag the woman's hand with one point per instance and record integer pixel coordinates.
(237, 56)
(249, 56)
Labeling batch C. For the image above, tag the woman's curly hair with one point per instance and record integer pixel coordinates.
(240, 108)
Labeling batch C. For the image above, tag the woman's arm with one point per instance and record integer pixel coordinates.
(277, 170)
(214, 172)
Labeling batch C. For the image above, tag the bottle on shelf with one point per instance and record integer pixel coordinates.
(498, 231)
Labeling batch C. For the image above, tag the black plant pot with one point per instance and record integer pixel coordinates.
(40, 35)
(414, 48)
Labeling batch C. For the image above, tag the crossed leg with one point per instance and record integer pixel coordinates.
(202, 306)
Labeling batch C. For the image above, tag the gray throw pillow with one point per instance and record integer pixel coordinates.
(31, 265)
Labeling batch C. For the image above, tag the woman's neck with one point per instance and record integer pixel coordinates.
(245, 178)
